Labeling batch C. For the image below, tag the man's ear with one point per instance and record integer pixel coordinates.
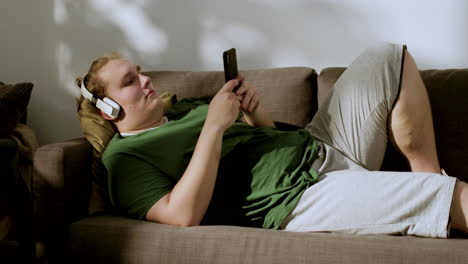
(105, 116)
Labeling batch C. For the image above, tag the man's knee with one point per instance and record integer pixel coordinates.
(383, 52)
(411, 148)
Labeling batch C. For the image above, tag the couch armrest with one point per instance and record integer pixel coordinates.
(8, 161)
(60, 186)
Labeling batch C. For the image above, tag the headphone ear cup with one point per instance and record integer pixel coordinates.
(113, 104)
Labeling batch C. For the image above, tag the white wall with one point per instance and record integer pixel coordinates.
(50, 42)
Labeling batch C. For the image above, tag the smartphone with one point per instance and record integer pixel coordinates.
(230, 66)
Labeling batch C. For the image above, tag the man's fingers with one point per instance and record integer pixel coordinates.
(242, 89)
(247, 97)
(240, 77)
(253, 103)
(229, 86)
(235, 97)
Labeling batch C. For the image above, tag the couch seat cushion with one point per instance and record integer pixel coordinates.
(110, 239)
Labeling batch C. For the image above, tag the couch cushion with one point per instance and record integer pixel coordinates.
(287, 93)
(60, 186)
(107, 239)
(448, 93)
(14, 99)
(326, 80)
(8, 165)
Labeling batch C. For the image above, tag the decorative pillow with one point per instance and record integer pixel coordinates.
(14, 99)
(99, 131)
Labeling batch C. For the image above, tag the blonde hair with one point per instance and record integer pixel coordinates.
(92, 82)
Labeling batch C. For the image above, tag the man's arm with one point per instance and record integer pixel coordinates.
(258, 118)
(188, 201)
(253, 113)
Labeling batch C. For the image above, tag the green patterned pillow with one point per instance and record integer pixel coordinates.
(14, 99)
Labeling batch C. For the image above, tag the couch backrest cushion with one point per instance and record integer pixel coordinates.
(287, 93)
(326, 80)
(448, 93)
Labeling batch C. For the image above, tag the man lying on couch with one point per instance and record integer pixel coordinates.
(199, 164)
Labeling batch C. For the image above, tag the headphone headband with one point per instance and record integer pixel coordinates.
(87, 94)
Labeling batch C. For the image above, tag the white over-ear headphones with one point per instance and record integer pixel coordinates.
(107, 105)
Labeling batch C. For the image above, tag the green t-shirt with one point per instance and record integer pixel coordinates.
(262, 173)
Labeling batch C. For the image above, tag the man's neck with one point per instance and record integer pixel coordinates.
(156, 123)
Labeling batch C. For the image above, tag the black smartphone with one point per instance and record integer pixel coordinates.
(230, 66)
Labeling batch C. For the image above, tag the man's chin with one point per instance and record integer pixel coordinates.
(160, 107)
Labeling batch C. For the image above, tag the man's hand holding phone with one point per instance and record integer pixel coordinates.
(250, 98)
(230, 65)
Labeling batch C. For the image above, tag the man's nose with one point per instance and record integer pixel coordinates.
(145, 80)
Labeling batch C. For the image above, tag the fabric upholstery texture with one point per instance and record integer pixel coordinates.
(27, 143)
(292, 101)
(106, 239)
(326, 80)
(448, 93)
(8, 170)
(14, 99)
(60, 187)
(16, 155)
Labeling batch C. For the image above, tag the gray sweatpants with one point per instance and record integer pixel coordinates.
(351, 127)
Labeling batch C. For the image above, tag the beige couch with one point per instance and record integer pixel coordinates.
(61, 189)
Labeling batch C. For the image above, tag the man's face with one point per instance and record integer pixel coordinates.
(133, 91)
